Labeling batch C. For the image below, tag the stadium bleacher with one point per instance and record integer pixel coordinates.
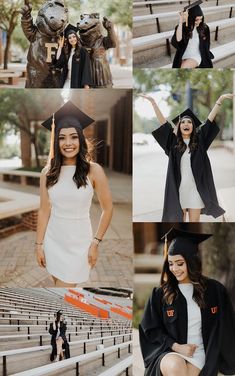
(98, 331)
(153, 28)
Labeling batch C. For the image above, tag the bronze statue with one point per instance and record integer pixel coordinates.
(51, 21)
(90, 32)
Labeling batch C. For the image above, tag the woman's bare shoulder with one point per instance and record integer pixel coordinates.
(96, 169)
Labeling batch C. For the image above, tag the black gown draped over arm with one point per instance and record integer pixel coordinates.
(163, 324)
(81, 69)
(154, 339)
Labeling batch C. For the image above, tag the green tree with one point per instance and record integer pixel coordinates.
(219, 254)
(9, 17)
(18, 108)
(119, 10)
(207, 86)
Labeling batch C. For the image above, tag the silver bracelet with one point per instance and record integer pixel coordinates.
(97, 240)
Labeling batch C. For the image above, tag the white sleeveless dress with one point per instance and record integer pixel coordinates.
(188, 194)
(69, 233)
(192, 50)
(67, 84)
(194, 327)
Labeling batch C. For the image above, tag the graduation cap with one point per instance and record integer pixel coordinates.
(70, 29)
(194, 10)
(183, 242)
(67, 116)
(187, 113)
(194, 6)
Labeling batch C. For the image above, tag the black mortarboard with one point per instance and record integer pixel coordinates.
(195, 4)
(70, 29)
(68, 114)
(187, 113)
(183, 242)
(194, 10)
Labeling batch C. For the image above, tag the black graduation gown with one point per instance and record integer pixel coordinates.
(65, 345)
(158, 331)
(204, 47)
(81, 69)
(201, 168)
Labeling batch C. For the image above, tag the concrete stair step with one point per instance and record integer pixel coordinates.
(24, 362)
(156, 57)
(149, 27)
(165, 7)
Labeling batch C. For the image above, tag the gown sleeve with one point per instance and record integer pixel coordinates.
(51, 330)
(154, 339)
(208, 133)
(227, 350)
(181, 44)
(165, 136)
(86, 68)
(61, 62)
(63, 330)
(208, 43)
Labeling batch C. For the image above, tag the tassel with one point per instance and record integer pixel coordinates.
(165, 248)
(51, 153)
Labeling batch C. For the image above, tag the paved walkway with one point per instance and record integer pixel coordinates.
(149, 175)
(122, 76)
(18, 266)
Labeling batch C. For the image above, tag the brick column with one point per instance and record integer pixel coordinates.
(30, 220)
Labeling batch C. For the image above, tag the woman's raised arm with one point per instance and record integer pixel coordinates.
(217, 105)
(161, 118)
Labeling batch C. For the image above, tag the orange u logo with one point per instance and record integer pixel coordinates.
(214, 310)
(170, 312)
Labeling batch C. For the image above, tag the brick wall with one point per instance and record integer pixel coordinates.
(5, 232)
(30, 220)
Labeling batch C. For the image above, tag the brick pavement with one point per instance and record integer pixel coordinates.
(18, 266)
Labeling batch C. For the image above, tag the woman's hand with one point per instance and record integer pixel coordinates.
(183, 17)
(225, 96)
(148, 97)
(218, 104)
(186, 350)
(161, 118)
(40, 256)
(93, 254)
(61, 42)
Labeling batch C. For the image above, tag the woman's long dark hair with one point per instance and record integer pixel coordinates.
(84, 157)
(68, 46)
(193, 144)
(170, 284)
(58, 316)
(202, 29)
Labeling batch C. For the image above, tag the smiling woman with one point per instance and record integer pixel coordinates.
(192, 40)
(189, 183)
(188, 323)
(73, 60)
(64, 242)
